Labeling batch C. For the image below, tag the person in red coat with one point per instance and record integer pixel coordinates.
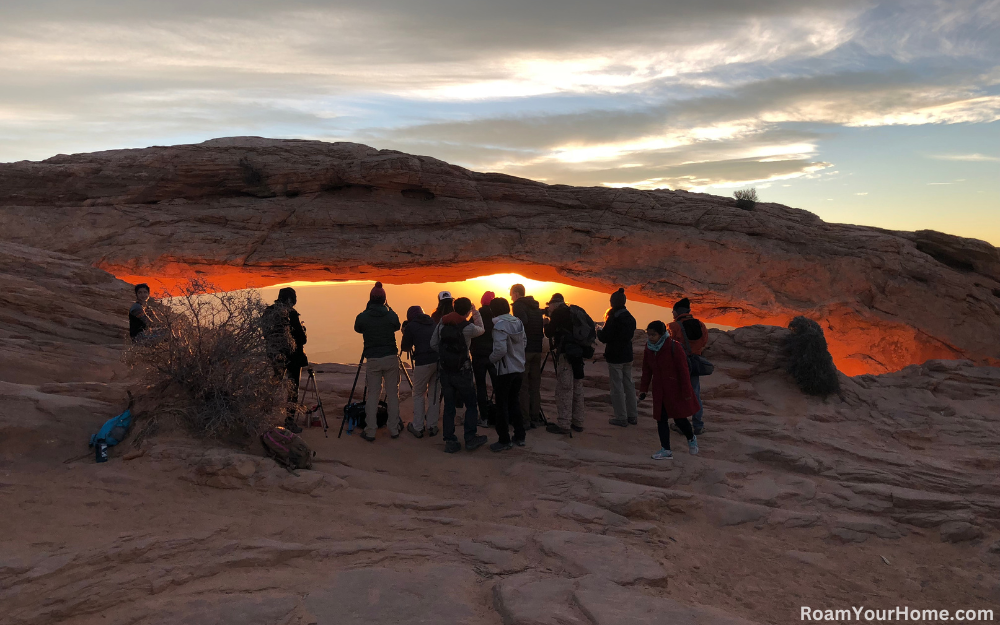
(664, 365)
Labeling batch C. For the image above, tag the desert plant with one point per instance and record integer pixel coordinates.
(808, 359)
(253, 175)
(205, 358)
(746, 198)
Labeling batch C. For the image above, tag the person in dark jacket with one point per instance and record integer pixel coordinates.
(617, 333)
(141, 315)
(285, 337)
(480, 349)
(378, 324)
(685, 326)
(446, 305)
(569, 369)
(664, 366)
(526, 309)
(417, 331)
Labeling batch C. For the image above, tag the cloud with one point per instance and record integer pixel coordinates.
(971, 158)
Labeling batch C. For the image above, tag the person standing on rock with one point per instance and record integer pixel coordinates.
(508, 358)
(417, 331)
(451, 340)
(664, 366)
(481, 348)
(692, 334)
(569, 367)
(617, 333)
(526, 309)
(141, 315)
(445, 305)
(285, 338)
(378, 324)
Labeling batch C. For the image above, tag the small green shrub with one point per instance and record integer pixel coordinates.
(746, 198)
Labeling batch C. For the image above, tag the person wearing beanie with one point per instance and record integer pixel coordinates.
(285, 338)
(693, 335)
(617, 333)
(481, 348)
(452, 338)
(525, 308)
(417, 331)
(378, 324)
(569, 368)
(665, 372)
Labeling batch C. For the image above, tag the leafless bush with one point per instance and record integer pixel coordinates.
(746, 198)
(205, 356)
(808, 358)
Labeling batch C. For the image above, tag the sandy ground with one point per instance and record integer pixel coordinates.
(885, 498)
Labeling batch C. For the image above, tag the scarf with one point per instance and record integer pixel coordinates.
(655, 347)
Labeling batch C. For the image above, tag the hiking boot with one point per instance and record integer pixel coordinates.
(576, 428)
(618, 422)
(519, 442)
(633, 422)
(291, 426)
(555, 428)
(370, 439)
(498, 446)
(433, 430)
(451, 447)
(414, 431)
(483, 423)
(475, 443)
(693, 446)
(663, 454)
(698, 431)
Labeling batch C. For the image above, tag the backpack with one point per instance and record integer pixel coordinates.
(116, 429)
(287, 449)
(697, 365)
(584, 333)
(452, 350)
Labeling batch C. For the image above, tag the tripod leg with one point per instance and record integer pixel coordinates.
(405, 373)
(319, 403)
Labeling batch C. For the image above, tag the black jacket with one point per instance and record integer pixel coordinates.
(617, 335)
(528, 311)
(560, 325)
(482, 345)
(417, 337)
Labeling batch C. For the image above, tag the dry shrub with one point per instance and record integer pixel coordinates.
(808, 359)
(205, 359)
(746, 198)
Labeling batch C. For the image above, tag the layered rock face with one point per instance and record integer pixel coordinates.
(250, 211)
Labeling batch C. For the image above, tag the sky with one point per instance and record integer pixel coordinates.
(877, 113)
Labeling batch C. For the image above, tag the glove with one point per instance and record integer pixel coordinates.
(642, 396)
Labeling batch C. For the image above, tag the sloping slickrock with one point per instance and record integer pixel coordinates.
(605, 556)
(247, 209)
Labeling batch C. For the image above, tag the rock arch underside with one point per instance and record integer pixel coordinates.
(250, 211)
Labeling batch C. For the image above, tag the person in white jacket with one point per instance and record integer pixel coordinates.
(508, 357)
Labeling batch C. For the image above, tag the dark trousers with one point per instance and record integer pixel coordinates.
(663, 429)
(508, 391)
(480, 367)
(455, 385)
(292, 372)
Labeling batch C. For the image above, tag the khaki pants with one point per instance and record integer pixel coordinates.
(531, 389)
(569, 395)
(378, 370)
(425, 382)
(623, 400)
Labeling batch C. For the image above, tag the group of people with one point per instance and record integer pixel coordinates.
(455, 348)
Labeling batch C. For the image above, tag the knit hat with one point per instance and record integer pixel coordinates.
(618, 298)
(487, 298)
(377, 294)
(444, 295)
(683, 306)
(557, 298)
(413, 313)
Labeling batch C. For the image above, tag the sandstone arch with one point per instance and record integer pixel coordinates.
(257, 211)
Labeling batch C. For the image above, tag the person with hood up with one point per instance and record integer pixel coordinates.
(685, 326)
(451, 340)
(664, 366)
(417, 331)
(508, 358)
(617, 333)
(480, 349)
(285, 338)
(525, 308)
(378, 324)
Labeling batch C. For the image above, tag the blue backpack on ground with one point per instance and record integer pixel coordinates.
(114, 430)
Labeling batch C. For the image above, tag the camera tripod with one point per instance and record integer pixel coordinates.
(318, 407)
(364, 396)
